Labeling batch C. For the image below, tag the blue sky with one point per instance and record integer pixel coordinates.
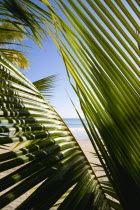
(47, 61)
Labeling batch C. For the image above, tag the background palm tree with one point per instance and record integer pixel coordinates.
(11, 36)
(20, 19)
(46, 86)
(105, 71)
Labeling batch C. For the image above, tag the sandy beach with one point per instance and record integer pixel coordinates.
(87, 149)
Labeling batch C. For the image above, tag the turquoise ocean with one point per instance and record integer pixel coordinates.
(76, 128)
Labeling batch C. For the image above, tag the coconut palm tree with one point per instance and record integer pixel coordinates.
(100, 51)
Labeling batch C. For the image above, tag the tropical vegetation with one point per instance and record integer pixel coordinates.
(11, 36)
(99, 44)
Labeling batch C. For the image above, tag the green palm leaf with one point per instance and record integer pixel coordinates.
(26, 17)
(50, 156)
(10, 33)
(106, 82)
(46, 86)
(9, 36)
(17, 20)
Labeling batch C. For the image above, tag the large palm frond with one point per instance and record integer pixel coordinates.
(51, 157)
(100, 50)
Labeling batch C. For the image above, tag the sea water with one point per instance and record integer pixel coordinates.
(77, 128)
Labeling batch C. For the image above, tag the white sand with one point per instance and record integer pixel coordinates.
(89, 151)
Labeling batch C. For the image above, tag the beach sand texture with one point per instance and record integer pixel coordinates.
(86, 147)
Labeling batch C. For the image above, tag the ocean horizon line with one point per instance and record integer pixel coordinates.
(73, 118)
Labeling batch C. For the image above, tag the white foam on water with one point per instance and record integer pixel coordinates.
(79, 133)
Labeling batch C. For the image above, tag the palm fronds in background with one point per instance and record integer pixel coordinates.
(46, 86)
(11, 36)
(20, 19)
(26, 17)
